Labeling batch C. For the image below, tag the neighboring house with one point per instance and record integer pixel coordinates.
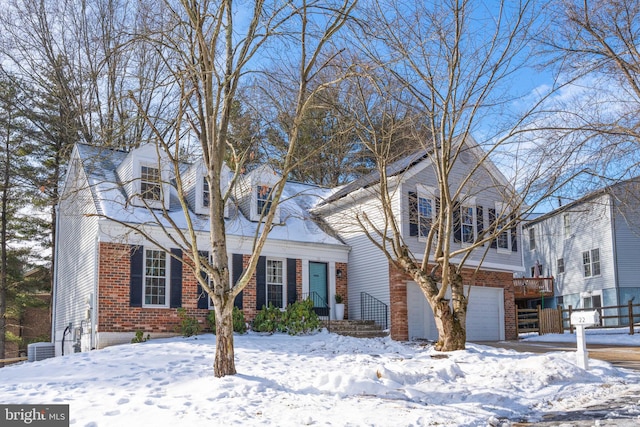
(412, 185)
(589, 249)
(110, 281)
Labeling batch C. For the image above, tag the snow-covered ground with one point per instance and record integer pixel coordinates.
(321, 379)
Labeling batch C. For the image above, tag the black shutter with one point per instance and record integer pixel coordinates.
(292, 295)
(261, 283)
(494, 227)
(480, 222)
(203, 297)
(175, 297)
(514, 235)
(413, 213)
(136, 274)
(236, 272)
(457, 226)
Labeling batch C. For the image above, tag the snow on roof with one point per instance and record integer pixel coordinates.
(100, 166)
(373, 178)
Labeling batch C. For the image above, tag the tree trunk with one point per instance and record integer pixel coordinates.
(451, 319)
(224, 363)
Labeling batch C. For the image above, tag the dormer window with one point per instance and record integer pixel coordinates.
(263, 199)
(150, 188)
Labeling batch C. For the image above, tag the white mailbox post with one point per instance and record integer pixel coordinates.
(582, 319)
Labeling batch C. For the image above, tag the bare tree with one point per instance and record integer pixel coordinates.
(594, 44)
(450, 64)
(210, 52)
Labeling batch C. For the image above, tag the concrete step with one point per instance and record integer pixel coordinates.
(355, 328)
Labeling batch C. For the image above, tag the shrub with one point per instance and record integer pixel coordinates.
(140, 337)
(269, 319)
(239, 324)
(188, 324)
(300, 318)
(338, 299)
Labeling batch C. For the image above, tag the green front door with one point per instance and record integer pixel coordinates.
(318, 289)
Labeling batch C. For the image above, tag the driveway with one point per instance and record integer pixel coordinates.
(620, 356)
(625, 409)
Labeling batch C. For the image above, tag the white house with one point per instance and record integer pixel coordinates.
(110, 281)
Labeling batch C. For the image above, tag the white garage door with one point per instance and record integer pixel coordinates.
(485, 314)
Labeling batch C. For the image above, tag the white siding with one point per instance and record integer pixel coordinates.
(368, 268)
(76, 259)
(485, 193)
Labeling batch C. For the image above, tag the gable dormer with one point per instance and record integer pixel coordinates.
(255, 192)
(197, 191)
(145, 175)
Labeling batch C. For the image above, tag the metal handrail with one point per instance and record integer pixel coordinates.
(319, 303)
(372, 308)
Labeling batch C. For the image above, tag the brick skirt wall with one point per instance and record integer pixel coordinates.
(115, 315)
(484, 278)
(114, 311)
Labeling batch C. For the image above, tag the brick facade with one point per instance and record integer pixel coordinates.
(116, 314)
(492, 279)
(341, 286)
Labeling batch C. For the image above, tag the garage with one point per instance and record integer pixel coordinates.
(485, 314)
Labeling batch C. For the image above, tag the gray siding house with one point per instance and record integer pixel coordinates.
(590, 248)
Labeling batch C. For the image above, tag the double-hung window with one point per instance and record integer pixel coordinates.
(532, 238)
(560, 265)
(155, 278)
(275, 282)
(566, 225)
(591, 262)
(425, 214)
(422, 211)
(150, 187)
(263, 199)
(467, 224)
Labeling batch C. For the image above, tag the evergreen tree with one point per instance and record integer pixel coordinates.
(16, 191)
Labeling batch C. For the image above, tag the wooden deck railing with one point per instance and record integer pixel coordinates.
(532, 287)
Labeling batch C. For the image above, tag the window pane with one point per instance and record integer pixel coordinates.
(467, 224)
(150, 183)
(595, 262)
(155, 277)
(425, 213)
(532, 238)
(586, 261)
(205, 193)
(275, 283)
(561, 265)
(264, 199)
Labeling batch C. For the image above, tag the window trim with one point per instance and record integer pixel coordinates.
(589, 265)
(566, 225)
(532, 238)
(167, 279)
(283, 283)
(429, 194)
(469, 204)
(152, 183)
